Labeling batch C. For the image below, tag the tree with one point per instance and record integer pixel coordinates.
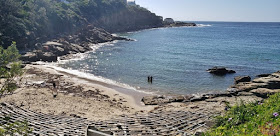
(10, 69)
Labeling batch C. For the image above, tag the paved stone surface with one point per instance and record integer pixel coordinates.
(158, 123)
(43, 124)
(154, 123)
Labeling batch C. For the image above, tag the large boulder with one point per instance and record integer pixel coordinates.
(220, 71)
(263, 75)
(239, 79)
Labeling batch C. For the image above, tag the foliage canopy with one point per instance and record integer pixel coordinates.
(29, 21)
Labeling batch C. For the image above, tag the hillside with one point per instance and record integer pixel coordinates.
(31, 21)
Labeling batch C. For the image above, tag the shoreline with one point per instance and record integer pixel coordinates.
(96, 101)
(135, 94)
(75, 96)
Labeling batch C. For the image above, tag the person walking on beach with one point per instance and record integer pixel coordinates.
(55, 92)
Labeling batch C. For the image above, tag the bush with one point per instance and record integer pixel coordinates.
(10, 68)
(250, 119)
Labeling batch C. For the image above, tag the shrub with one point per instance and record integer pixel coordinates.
(250, 119)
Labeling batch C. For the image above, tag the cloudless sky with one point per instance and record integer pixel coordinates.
(215, 10)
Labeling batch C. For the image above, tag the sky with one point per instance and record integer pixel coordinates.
(215, 10)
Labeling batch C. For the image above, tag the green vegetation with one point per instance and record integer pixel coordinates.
(250, 119)
(30, 21)
(10, 68)
(16, 128)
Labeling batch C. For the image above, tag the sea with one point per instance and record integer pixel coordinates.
(177, 57)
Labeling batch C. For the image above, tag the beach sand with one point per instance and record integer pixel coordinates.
(75, 96)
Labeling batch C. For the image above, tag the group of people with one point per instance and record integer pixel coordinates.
(150, 79)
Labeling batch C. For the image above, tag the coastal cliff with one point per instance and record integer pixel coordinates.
(30, 23)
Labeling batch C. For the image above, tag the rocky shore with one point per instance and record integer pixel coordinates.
(78, 43)
(262, 86)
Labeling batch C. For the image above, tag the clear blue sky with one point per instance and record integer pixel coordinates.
(216, 10)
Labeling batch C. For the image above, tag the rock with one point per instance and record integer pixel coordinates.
(239, 79)
(77, 43)
(231, 71)
(218, 94)
(263, 75)
(161, 99)
(47, 56)
(247, 86)
(232, 91)
(199, 97)
(29, 57)
(179, 98)
(220, 71)
(188, 98)
(264, 92)
(274, 84)
(245, 94)
(152, 100)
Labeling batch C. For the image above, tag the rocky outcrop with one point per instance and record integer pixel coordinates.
(262, 86)
(77, 43)
(164, 99)
(264, 92)
(169, 22)
(161, 99)
(239, 79)
(263, 75)
(220, 71)
(178, 24)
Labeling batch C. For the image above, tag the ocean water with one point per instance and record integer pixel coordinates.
(178, 58)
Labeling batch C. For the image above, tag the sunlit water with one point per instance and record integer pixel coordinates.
(178, 58)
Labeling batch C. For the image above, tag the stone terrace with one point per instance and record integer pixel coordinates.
(154, 123)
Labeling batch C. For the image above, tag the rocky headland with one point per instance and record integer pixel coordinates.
(180, 24)
(79, 42)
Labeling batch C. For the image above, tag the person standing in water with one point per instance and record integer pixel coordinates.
(151, 79)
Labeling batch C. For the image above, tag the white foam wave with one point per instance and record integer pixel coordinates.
(80, 56)
(90, 76)
(203, 25)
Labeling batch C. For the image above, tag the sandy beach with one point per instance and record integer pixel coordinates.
(75, 96)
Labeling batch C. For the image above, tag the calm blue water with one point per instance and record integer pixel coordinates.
(178, 58)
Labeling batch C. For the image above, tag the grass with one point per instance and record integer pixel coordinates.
(252, 119)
